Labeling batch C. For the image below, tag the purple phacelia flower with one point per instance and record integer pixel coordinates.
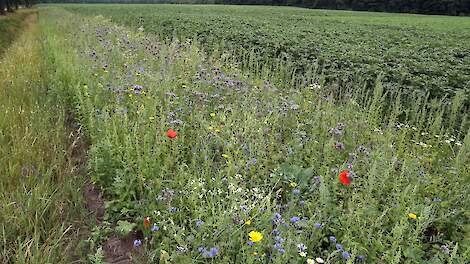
(339, 146)
(317, 225)
(213, 252)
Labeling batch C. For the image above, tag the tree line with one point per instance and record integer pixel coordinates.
(443, 7)
(434, 7)
(11, 5)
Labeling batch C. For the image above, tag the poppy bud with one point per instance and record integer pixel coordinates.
(147, 222)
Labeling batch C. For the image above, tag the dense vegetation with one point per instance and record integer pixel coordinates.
(11, 5)
(212, 164)
(38, 175)
(10, 28)
(448, 7)
(205, 153)
(412, 54)
(443, 7)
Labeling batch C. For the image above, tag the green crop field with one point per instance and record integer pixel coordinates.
(234, 134)
(414, 52)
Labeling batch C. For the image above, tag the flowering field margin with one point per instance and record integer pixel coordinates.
(252, 172)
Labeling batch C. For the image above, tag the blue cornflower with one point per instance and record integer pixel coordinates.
(346, 255)
(173, 210)
(251, 243)
(155, 228)
(137, 243)
(199, 223)
(277, 216)
(333, 239)
(294, 219)
(301, 247)
(281, 250)
(201, 249)
(339, 247)
(278, 245)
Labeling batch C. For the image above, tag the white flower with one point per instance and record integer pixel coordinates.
(320, 260)
(302, 254)
(310, 261)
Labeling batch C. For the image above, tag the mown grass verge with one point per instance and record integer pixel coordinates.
(11, 27)
(40, 177)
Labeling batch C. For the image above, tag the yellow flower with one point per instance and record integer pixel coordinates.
(255, 236)
(412, 216)
(183, 86)
(248, 222)
(293, 184)
(225, 156)
(217, 130)
(212, 114)
(210, 128)
(255, 253)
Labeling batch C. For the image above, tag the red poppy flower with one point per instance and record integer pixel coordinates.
(344, 178)
(171, 133)
(147, 222)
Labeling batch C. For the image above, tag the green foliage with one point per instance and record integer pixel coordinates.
(251, 145)
(38, 178)
(123, 227)
(98, 257)
(10, 28)
(412, 54)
